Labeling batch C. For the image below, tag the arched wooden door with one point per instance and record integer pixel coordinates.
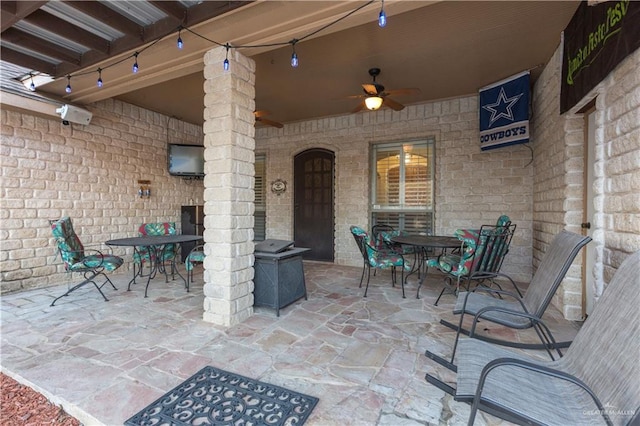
(313, 203)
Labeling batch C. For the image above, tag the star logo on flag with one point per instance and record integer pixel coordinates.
(502, 107)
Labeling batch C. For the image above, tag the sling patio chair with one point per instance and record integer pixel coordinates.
(519, 312)
(596, 382)
(378, 258)
(76, 258)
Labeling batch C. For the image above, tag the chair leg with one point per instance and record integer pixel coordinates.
(88, 278)
(364, 266)
(368, 277)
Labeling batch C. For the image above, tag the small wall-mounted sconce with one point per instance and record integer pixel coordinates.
(145, 189)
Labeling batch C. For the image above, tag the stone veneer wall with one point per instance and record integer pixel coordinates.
(472, 187)
(559, 167)
(89, 173)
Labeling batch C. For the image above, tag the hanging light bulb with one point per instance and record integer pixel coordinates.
(32, 86)
(180, 44)
(99, 77)
(68, 88)
(225, 64)
(382, 17)
(294, 55)
(135, 63)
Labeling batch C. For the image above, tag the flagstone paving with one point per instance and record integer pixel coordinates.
(362, 357)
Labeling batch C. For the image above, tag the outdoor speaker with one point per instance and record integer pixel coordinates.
(74, 114)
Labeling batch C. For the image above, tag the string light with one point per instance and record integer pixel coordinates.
(382, 17)
(225, 64)
(32, 86)
(382, 21)
(180, 44)
(294, 55)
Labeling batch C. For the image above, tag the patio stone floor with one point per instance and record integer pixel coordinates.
(362, 357)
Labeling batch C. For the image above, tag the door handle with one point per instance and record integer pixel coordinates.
(585, 225)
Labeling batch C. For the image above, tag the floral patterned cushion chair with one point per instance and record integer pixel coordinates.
(378, 258)
(76, 258)
(196, 255)
(482, 253)
(148, 254)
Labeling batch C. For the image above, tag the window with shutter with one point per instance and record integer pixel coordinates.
(260, 214)
(402, 185)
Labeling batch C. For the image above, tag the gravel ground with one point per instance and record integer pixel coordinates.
(21, 405)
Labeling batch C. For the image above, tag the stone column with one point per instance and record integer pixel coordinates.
(228, 187)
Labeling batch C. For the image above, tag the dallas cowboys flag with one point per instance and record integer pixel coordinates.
(504, 112)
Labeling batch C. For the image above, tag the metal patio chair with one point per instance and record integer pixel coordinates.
(480, 259)
(196, 255)
(378, 258)
(76, 258)
(519, 312)
(142, 255)
(596, 382)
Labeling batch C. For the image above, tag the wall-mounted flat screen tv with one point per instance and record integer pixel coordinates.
(186, 160)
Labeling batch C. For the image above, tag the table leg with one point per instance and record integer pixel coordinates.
(159, 265)
(423, 273)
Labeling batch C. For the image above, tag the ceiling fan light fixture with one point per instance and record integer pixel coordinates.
(373, 102)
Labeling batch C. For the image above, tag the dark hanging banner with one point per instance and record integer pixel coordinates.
(595, 41)
(504, 112)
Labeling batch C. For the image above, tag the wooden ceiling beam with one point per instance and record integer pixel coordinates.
(210, 9)
(64, 29)
(13, 11)
(30, 62)
(174, 9)
(108, 16)
(36, 44)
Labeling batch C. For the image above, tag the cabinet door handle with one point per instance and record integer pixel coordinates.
(585, 225)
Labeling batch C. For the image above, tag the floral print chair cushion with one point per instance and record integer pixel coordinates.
(91, 263)
(379, 258)
(195, 256)
(463, 265)
(73, 253)
(143, 254)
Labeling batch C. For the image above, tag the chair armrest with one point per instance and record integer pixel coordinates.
(497, 292)
(96, 253)
(547, 371)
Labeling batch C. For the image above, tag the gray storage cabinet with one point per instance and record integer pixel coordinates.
(279, 278)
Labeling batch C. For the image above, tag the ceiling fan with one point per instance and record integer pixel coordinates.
(260, 119)
(375, 95)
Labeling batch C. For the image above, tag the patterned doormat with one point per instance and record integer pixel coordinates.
(218, 397)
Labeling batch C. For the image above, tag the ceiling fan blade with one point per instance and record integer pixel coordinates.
(393, 104)
(409, 91)
(370, 89)
(261, 113)
(359, 108)
(270, 122)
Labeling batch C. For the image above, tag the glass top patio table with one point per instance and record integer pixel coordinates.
(157, 243)
(423, 243)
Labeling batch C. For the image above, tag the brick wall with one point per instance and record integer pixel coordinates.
(89, 173)
(472, 187)
(559, 169)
